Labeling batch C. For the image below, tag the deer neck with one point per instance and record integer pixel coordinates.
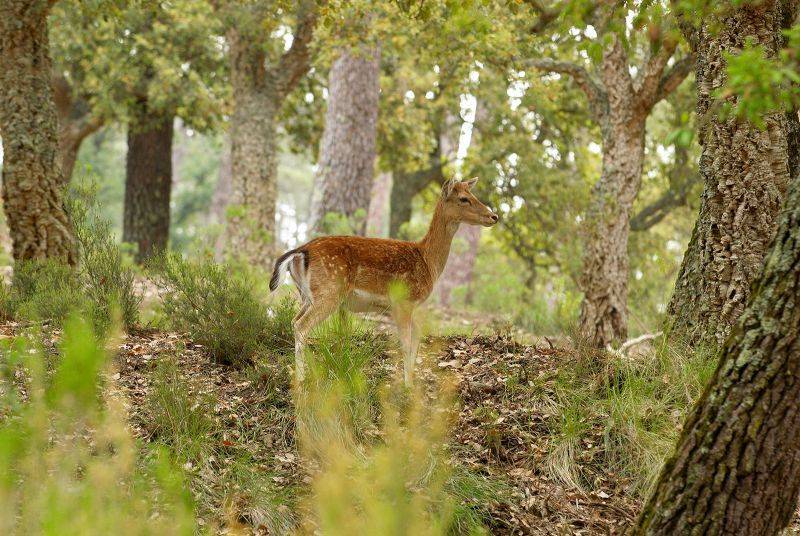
(436, 243)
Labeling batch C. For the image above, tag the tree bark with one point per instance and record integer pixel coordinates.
(736, 469)
(254, 164)
(745, 172)
(148, 185)
(347, 149)
(32, 182)
(75, 124)
(258, 93)
(460, 264)
(604, 281)
(378, 213)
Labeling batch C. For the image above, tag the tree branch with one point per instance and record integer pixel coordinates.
(591, 87)
(294, 63)
(671, 79)
(647, 83)
(546, 15)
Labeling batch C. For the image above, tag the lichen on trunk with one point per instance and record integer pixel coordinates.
(736, 469)
(32, 182)
(745, 171)
(250, 229)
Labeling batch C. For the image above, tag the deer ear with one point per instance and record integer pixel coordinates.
(470, 183)
(447, 188)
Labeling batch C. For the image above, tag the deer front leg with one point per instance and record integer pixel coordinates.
(409, 340)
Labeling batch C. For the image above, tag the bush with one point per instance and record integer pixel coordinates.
(216, 306)
(68, 464)
(45, 290)
(107, 277)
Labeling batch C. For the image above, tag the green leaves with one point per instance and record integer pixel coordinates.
(759, 83)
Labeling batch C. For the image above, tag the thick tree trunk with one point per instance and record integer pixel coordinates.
(347, 148)
(250, 228)
(604, 281)
(379, 203)
(148, 185)
(32, 182)
(736, 469)
(745, 171)
(460, 265)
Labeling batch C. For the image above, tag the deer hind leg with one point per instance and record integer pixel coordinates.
(409, 338)
(311, 316)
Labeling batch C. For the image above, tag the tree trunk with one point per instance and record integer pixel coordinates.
(148, 185)
(250, 227)
(378, 213)
(32, 182)
(604, 281)
(736, 469)
(347, 148)
(404, 187)
(222, 194)
(461, 263)
(745, 172)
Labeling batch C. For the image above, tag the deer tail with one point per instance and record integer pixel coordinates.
(284, 263)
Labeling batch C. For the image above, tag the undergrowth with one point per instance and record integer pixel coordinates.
(217, 307)
(638, 403)
(68, 464)
(100, 287)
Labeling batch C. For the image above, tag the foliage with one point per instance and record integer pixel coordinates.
(107, 276)
(68, 464)
(168, 55)
(216, 305)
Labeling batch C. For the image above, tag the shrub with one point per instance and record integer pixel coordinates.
(45, 290)
(216, 306)
(68, 464)
(107, 276)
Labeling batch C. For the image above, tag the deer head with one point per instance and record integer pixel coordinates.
(461, 206)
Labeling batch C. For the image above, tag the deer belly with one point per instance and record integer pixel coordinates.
(362, 301)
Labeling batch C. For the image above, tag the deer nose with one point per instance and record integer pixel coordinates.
(495, 217)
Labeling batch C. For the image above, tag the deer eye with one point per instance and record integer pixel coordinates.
(464, 200)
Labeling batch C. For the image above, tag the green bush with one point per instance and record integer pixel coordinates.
(68, 464)
(107, 276)
(45, 290)
(216, 306)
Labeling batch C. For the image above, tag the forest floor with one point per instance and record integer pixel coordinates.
(501, 430)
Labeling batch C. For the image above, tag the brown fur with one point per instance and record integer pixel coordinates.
(360, 273)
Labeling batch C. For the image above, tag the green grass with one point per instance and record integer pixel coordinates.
(177, 418)
(639, 403)
(68, 464)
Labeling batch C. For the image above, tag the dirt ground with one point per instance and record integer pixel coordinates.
(501, 432)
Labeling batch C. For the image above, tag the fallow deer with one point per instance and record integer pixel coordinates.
(361, 273)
